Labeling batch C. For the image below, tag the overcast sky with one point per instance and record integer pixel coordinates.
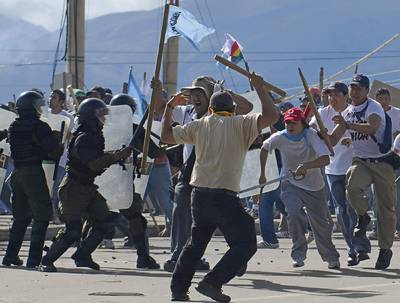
(47, 13)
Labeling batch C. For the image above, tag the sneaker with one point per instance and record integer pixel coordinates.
(169, 266)
(383, 262)
(202, 265)
(361, 228)
(397, 235)
(362, 256)
(212, 292)
(12, 261)
(107, 244)
(180, 297)
(297, 263)
(265, 244)
(373, 235)
(283, 235)
(147, 262)
(352, 260)
(334, 264)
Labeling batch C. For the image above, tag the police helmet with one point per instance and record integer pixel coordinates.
(92, 109)
(124, 99)
(29, 101)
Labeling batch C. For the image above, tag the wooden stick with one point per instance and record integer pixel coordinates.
(321, 125)
(321, 80)
(156, 76)
(247, 74)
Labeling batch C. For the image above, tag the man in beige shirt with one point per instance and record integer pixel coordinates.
(221, 140)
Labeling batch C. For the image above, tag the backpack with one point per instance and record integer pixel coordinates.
(387, 142)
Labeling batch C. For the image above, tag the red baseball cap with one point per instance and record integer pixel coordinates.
(293, 114)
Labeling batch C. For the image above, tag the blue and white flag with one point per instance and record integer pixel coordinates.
(134, 92)
(181, 23)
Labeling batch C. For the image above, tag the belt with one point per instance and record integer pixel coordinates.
(373, 160)
(217, 191)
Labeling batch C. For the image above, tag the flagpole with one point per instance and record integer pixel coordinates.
(143, 167)
(248, 70)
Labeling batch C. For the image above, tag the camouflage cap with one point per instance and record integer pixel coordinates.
(205, 83)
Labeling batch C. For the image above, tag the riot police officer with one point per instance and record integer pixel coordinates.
(31, 141)
(79, 198)
(137, 222)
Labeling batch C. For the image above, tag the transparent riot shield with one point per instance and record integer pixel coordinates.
(251, 169)
(6, 166)
(116, 183)
(58, 123)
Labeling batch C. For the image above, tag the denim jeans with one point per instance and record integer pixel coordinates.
(266, 213)
(211, 210)
(158, 188)
(346, 215)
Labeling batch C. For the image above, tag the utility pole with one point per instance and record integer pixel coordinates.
(76, 42)
(170, 62)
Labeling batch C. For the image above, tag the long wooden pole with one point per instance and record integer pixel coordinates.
(321, 125)
(157, 77)
(247, 74)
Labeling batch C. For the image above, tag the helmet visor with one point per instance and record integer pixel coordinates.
(101, 114)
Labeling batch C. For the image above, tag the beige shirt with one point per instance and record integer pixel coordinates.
(221, 144)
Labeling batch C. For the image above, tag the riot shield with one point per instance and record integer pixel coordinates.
(251, 169)
(116, 183)
(6, 167)
(57, 123)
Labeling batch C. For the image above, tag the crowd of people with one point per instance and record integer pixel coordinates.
(196, 183)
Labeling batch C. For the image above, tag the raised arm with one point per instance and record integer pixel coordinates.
(166, 126)
(269, 114)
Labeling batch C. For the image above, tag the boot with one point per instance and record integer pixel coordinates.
(38, 236)
(82, 256)
(17, 233)
(55, 251)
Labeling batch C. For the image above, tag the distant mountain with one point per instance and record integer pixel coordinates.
(278, 37)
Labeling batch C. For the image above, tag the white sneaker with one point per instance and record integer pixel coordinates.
(298, 263)
(265, 244)
(334, 264)
(108, 244)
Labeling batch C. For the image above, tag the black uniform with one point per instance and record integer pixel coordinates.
(79, 197)
(31, 141)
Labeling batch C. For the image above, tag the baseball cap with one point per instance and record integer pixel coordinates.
(338, 86)
(205, 83)
(79, 93)
(293, 114)
(360, 80)
(284, 106)
(222, 101)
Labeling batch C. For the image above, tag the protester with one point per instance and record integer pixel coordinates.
(304, 153)
(221, 141)
(366, 122)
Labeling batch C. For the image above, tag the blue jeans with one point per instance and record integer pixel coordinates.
(266, 213)
(55, 199)
(158, 188)
(346, 215)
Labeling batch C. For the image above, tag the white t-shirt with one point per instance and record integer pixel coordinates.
(396, 143)
(343, 155)
(363, 145)
(184, 114)
(308, 148)
(394, 114)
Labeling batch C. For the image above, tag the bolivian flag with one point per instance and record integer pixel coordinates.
(232, 49)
